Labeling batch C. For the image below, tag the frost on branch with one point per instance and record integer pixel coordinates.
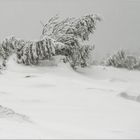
(78, 28)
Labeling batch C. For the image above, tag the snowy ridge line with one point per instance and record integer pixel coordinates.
(109, 90)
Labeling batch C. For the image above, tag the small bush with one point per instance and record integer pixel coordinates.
(7, 48)
(122, 60)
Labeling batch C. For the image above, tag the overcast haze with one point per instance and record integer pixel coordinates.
(120, 27)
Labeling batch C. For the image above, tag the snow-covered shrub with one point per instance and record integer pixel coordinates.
(33, 51)
(27, 52)
(122, 60)
(76, 55)
(76, 27)
(80, 56)
(7, 48)
(72, 32)
(64, 38)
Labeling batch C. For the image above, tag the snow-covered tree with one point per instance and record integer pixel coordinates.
(72, 32)
(27, 52)
(59, 37)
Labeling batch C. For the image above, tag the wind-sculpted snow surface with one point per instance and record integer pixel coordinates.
(130, 96)
(66, 104)
(9, 113)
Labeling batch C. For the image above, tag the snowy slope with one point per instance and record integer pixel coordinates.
(57, 102)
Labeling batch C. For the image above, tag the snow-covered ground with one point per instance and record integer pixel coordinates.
(57, 102)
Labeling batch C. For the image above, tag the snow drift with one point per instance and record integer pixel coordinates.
(57, 102)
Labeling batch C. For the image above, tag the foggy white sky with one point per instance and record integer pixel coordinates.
(120, 27)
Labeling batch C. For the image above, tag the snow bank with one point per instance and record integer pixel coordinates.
(62, 103)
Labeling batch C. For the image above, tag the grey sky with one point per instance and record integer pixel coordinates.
(120, 27)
